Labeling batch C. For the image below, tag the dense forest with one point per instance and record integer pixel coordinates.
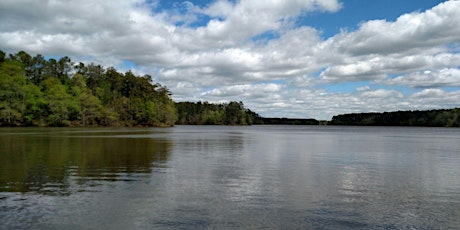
(291, 121)
(36, 91)
(204, 113)
(439, 118)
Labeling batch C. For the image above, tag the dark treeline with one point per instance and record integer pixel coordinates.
(289, 121)
(35, 91)
(204, 113)
(439, 118)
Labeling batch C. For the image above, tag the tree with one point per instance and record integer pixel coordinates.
(59, 102)
(167, 114)
(2, 56)
(35, 105)
(234, 113)
(12, 92)
(36, 70)
(65, 65)
(24, 58)
(110, 90)
(87, 106)
(204, 113)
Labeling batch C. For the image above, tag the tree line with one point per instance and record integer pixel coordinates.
(291, 121)
(39, 91)
(35, 91)
(204, 113)
(434, 118)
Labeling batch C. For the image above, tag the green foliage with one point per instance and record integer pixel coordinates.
(2, 56)
(35, 103)
(204, 113)
(13, 92)
(60, 103)
(39, 92)
(87, 107)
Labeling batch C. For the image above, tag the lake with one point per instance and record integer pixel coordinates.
(219, 177)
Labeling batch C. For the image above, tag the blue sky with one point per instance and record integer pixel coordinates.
(355, 12)
(292, 58)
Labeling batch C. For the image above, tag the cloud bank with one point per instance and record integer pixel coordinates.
(254, 51)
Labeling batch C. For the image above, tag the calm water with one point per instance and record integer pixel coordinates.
(272, 177)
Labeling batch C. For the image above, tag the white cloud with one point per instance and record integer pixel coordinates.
(434, 98)
(377, 67)
(440, 25)
(414, 41)
(360, 70)
(249, 18)
(381, 94)
(428, 79)
(428, 93)
(363, 88)
(246, 90)
(219, 9)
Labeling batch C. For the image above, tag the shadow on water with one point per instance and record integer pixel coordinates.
(65, 161)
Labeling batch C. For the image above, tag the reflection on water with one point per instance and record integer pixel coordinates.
(276, 177)
(63, 161)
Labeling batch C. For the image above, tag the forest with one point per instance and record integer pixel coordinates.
(39, 91)
(204, 113)
(434, 118)
(291, 121)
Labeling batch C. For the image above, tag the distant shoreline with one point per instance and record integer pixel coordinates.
(424, 118)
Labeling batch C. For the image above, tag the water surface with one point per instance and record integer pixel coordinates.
(195, 177)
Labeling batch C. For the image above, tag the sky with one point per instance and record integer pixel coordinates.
(281, 58)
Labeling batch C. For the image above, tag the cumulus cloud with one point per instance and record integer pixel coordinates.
(434, 98)
(259, 90)
(253, 51)
(377, 67)
(415, 41)
(439, 25)
(358, 71)
(250, 18)
(447, 77)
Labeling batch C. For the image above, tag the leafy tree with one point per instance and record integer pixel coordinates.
(59, 102)
(2, 56)
(12, 92)
(94, 75)
(204, 113)
(65, 66)
(36, 70)
(24, 58)
(87, 106)
(35, 105)
(234, 113)
(110, 90)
